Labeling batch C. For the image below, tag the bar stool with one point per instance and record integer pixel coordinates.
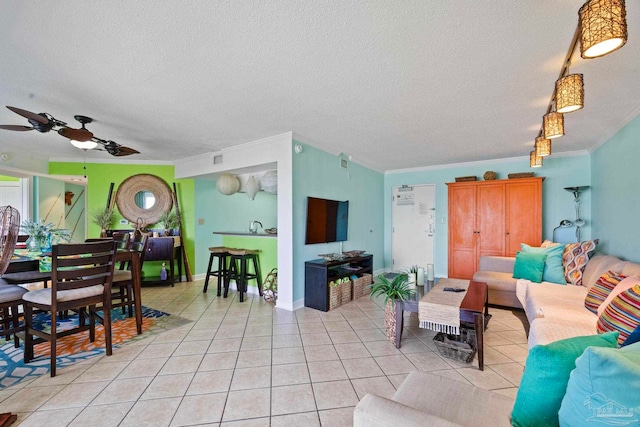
(221, 273)
(241, 274)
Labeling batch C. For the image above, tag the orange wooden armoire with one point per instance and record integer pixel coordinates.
(492, 218)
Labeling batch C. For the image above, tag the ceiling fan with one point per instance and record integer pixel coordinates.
(81, 138)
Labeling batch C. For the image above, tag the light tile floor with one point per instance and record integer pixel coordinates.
(249, 364)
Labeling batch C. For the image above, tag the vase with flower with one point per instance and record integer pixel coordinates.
(42, 235)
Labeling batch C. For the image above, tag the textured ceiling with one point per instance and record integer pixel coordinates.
(395, 84)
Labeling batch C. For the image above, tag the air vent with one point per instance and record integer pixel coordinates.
(344, 164)
(217, 159)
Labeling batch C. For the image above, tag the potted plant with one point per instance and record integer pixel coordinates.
(412, 275)
(397, 288)
(104, 219)
(42, 235)
(170, 221)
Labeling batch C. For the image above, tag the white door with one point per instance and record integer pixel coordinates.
(413, 218)
(11, 194)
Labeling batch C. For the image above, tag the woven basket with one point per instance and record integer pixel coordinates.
(335, 296)
(453, 351)
(360, 286)
(345, 292)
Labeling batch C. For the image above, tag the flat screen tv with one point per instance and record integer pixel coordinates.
(327, 220)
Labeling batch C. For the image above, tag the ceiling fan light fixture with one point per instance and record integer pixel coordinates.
(603, 27)
(84, 145)
(534, 161)
(569, 93)
(542, 147)
(553, 125)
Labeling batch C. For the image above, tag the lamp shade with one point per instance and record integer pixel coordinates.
(228, 184)
(553, 125)
(534, 161)
(542, 146)
(603, 27)
(569, 93)
(252, 187)
(85, 145)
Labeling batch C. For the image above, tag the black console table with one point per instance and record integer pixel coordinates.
(318, 273)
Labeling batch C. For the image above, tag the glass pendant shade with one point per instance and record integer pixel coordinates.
(534, 161)
(542, 147)
(553, 125)
(603, 27)
(85, 145)
(569, 93)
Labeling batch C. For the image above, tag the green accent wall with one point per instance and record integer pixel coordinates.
(317, 173)
(99, 177)
(268, 247)
(557, 203)
(616, 201)
(9, 178)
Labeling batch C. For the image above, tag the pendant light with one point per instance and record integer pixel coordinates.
(542, 147)
(553, 125)
(534, 161)
(569, 93)
(603, 27)
(252, 187)
(228, 184)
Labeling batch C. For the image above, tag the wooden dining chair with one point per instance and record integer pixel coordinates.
(123, 295)
(10, 295)
(81, 277)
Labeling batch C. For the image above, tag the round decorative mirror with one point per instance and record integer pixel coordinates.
(144, 197)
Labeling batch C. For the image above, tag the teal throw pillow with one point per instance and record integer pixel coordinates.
(545, 378)
(604, 389)
(553, 269)
(529, 266)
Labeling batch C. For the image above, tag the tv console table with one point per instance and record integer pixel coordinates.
(318, 273)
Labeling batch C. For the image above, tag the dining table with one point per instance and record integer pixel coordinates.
(28, 268)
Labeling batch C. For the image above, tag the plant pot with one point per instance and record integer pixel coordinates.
(390, 321)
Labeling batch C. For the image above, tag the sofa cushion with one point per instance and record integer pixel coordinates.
(622, 314)
(633, 338)
(600, 264)
(543, 331)
(575, 259)
(550, 300)
(594, 394)
(599, 292)
(529, 266)
(545, 378)
(553, 270)
(455, 401)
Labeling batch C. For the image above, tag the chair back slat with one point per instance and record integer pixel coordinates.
(121, 239)
(81, 265)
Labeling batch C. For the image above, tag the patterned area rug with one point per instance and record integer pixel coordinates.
(77, 347)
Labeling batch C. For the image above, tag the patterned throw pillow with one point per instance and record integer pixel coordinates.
(601, 290)
(575, 258)
(622, 314)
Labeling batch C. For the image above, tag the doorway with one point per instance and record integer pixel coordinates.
(413, 216)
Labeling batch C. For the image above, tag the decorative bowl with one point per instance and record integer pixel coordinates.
(352, 254)
(271, 230)
(331, 257)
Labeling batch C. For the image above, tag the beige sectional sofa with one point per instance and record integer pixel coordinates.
(554, 312)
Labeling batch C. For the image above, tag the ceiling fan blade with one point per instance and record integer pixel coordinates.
(15, 127)
(125, 151)
(76, 134)
(29, 115)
